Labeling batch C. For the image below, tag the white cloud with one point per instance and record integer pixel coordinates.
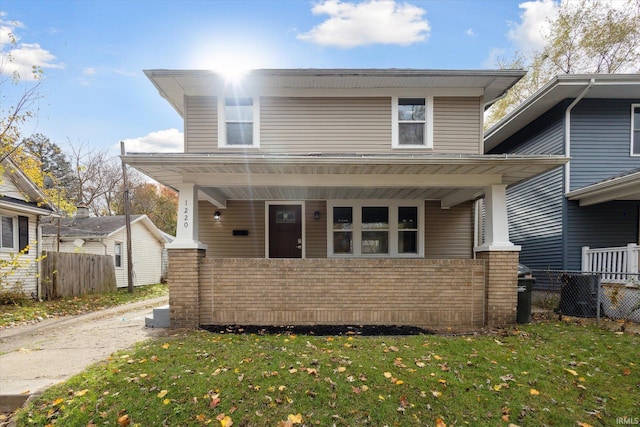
(369, 22)
(494, 54)
(18, 58)
(89, 71)
(162, 141)
(528, 35)
(471, 33)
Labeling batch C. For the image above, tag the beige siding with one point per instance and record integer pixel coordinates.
(448, 232)
(456, 125)
(335, 125)
(316, 232)
(325, 124)
(201, 124)
(239, 215)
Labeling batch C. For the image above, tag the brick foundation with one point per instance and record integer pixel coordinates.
(501, 291)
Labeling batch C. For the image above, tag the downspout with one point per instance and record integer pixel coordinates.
(567, 166)
(38, 254)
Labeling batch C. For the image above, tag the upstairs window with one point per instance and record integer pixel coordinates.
(635, 130)
(7, 239)
(238, 122)
(412, 122)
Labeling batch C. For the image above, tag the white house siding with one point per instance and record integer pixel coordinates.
(457, 125)
(337, 125)
(27, 274)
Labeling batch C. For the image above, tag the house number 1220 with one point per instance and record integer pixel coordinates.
(186, 214)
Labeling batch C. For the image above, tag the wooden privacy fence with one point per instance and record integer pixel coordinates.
(67, 274)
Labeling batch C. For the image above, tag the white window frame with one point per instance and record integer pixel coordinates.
(356, 229)
(395, 123)
(222, 123)
(14, 224)
(634, 107)
(115, 262)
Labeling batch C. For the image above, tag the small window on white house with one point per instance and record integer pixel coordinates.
(412, 122)
(635, 130)
(117, 254)
(7, 238)
(238, 122)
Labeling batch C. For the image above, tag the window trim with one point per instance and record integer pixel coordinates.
(634, 107)
(395, 124)
(115, 255)
(357, 229)
(14, 224)
(222, 123)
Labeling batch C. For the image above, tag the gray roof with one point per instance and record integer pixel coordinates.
(101, 226)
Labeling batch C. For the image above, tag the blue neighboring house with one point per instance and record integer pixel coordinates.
(594, 201)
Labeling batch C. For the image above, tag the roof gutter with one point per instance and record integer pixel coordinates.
(567, 134)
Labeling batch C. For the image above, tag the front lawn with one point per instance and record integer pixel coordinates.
(554, 374)
(33, 311)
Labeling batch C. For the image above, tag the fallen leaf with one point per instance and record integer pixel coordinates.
(166, 401)
(534, 392)
(436, 393)
(81, 392)
(420, 364)
(394, 348)
(162, 393)
(295, 419)
(387, 374)
(341, 369)
(440, 423)
(124, 420)
(225, 420)
(626, 371)
(584, 425)
(165, 345)
(572, 372)
(58, 401)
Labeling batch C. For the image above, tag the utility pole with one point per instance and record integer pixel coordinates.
(127, 220)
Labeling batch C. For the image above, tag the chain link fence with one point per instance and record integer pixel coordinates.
(590, 295)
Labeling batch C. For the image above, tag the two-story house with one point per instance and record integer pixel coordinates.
(339, 196)
(594, 200)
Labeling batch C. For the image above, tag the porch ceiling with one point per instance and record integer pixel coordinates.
(450, 178)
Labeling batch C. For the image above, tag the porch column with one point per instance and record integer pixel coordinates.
(185, 254)
(501, 260)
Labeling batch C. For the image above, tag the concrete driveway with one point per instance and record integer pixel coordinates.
(35, 357)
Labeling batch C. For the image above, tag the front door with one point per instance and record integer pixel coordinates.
(285, 231)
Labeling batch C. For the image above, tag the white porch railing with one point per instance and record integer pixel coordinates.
(618, 264)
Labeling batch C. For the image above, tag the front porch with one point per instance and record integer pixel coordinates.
(434, 294)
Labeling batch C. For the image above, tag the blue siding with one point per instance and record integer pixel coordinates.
(600, 140)
(597, 226)
(535, 219)
(544, 135)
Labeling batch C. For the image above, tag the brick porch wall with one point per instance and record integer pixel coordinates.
(502, 290)
(183, 279)
(425, 293)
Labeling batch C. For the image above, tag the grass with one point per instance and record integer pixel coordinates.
(30, 311)
(546, 374)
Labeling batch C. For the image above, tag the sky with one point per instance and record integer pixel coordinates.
(93, 52)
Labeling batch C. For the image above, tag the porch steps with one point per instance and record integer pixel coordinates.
(159, 318)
